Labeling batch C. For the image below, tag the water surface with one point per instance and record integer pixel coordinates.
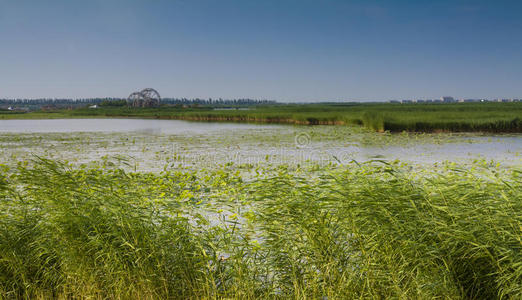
(119, 125)
(159, 144)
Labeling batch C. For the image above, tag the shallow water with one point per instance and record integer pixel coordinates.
(159, 144)
(119, 125)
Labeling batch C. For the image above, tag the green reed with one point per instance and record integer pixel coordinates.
(375, 230)
(420, 117)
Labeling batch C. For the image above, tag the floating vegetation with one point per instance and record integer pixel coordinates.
(255, 145)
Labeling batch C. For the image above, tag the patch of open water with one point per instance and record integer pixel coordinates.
(156, 144)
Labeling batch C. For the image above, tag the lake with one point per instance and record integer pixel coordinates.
(118, 125)
(157, 144)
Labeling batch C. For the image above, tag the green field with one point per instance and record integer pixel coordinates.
(450, 117)
(358, 231)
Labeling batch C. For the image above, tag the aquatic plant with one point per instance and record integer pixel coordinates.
(420, 117)
(361, 230)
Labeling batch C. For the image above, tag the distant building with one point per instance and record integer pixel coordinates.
(447, 99)
(407, 101)
(94, 106)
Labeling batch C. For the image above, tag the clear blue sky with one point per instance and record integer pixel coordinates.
(288, 50)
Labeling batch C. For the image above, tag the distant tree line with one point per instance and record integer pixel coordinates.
(217, 102)
(113, 103)
(47, 101)
(32, 104)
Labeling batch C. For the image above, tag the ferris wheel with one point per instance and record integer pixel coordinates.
(145, 98)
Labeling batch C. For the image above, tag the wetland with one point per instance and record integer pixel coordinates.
(176, 209)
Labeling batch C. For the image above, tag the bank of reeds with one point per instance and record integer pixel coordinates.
(373, 230)
(451, 117)
(422, 117)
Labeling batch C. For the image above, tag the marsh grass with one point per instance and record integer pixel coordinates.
(374, 230)
(421, 117)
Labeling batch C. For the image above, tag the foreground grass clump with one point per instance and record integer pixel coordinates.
(375, 230)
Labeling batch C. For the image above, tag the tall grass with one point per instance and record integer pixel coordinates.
(427, 117)
(375, 230)
(455, 117)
